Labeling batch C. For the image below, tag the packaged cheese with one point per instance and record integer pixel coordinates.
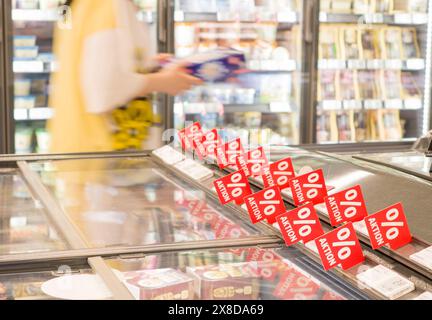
(369, 44)
(329, 43)
(350, 43)
(410, 44)
(391, 43)
(391, 84)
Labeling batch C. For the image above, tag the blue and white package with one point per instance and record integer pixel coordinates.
(216, 66)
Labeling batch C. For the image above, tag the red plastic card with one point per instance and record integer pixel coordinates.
(253, 162)
(279, 174)
(388, 226)
(233, 187)
(340, 246)
(309, 187)
(301, 224)
(266, 204)
(347, 205)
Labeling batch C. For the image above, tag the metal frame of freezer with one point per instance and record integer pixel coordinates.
(80, 254)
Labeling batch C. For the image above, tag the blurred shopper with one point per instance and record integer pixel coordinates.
(100, 94)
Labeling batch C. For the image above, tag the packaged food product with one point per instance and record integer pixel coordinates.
(391, 84)
(368, 84)
(360, 125)
(369, 44)
(348, 85)
(345, 124)
(159, 284)
(391, 43)
(389, 125)
(43, 140)
(361, 6)
(234, 281)
(216, 66)
(24, 41)
(410, 6)
(341, 6)
(410, 89)
(410, 44)
(26, 53)
(22, 87)
(328, 85)
(383, 6)
(350, 43)
(329, 43)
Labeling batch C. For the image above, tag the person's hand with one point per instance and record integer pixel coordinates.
(162, 58)
(177, 80)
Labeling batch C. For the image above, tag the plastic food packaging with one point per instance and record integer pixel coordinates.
(216, 66)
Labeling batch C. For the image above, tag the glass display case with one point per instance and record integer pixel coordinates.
(132, 226)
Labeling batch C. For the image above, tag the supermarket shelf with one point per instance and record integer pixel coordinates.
(411, 104)
(35, 15)
(280, 17)
(33, 66)
(272, 66)
(379, 18)
(394, 64)
(34, 114)
(209, 107)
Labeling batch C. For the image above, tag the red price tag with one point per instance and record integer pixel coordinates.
(253, 162)
(279, 174)
(266, 204)
(340, 246)
(227, 154)
(301, 224)
(388, 226)
(233, 187)
(347, 205)
(210, 141)
(226, 229)
(309, 187)
(191, 136)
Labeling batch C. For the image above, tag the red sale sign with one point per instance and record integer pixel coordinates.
(340, 246)
(252, 162)
(388, 226)
(309, 187)
(233, 187)
(347, 205)
(301, 224)
(279, 173)
(296, 286)
(227, 154)
(269, 263)
(210, 141)
(266, 204)
(185, 143)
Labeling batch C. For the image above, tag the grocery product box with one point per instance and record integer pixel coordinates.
(26, 53)
(234, 281)
(159, 284)
(24, 41)
(216, 66)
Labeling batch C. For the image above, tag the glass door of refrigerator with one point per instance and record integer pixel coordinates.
(34, 62)
(262, 106)
(373, 71)
(135, 202)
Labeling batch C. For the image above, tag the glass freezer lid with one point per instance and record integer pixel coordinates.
(24, 227)
(381, 187)
(131, 202)
(61, 284)
(227, 274)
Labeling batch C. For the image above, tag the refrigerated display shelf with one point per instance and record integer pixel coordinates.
(280, 17)
(35, 15)
(209, 107)
(34, 114)
(412, 104)
(404, 65)
(33, 66)
(375, 18)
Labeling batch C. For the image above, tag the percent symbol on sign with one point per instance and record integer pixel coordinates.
(281, 173)
(313, 185)
(306, 228)
(351, 211)
(236, 185)
(270, 204)
(345, 251)
(393, 232)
